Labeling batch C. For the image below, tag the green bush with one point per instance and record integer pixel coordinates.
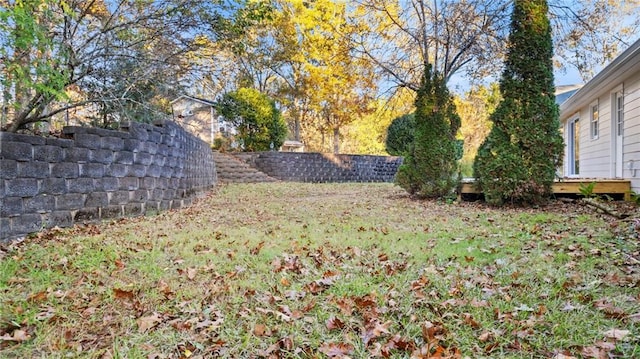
(430, 168)
(259, 123)
(400, 135)
(518, 160)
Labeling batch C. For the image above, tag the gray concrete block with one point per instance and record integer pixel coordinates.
(169, 194)
(53, 186)
(118, 197)
(26, 223)
(132, 144)
(143, 158)
(133, 209)
(124, 157)
(21, 187)
(41, 203)
(167, 172)
(140, 196)
(111, 211)
(87, 140)
(19, 151)
(11, 206)
(109, 184)
(70, 201)
(128, 183)
(165, 205)
(154, 171)
(58, 218)
(93, 170)
(86, 215)
(22, 138)
(97, 199)
(113, 143)
(48, 153)
(155, 137)
(147, 183)
(59, 142)
(33, 169)
(102, 156)
(151, 207)
(5, 228)
(116, 170)
(137, 170)
(65, 170)
(77, 154)
(8, 168)
(80, 185)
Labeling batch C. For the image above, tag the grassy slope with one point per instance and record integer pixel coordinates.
(302, 270)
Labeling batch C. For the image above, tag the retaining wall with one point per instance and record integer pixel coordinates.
(94, 174)
(323, 167)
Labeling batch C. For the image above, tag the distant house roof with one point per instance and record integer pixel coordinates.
(607, 79)
(563, 92)
(193, 98)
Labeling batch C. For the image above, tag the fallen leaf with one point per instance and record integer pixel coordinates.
(17, 336)
(148, 322)
(37, 297)
(261, 330)
(616, 334)
(333, 350)
(256, 250)
(334, 323)
(485, 336)
(123, 294)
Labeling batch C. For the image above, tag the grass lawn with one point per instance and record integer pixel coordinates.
(291, 270)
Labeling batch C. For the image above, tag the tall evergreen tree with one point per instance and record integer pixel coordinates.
(518, 160)
(430, 168)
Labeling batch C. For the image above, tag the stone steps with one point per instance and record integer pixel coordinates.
(232, 170)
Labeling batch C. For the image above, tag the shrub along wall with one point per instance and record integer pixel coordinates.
(94, 174)
(323, 167)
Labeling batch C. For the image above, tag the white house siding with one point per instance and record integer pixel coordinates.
(597, 156)
(631, 142)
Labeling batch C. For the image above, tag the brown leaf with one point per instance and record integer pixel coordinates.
(123, 294)
(333, 350)
(334, 323)
(374, 330)
(593, 352)
(37, 297)
(17, 336)
(468, 319)
(256, 250)
(485, 336)
(148, 322)
(430, 331)
(261, 330)
(616, 334)
(119, 264)
(345, 305)
(164, 288)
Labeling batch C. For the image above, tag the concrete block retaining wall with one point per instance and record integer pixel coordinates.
(97, 174)
(323, 167)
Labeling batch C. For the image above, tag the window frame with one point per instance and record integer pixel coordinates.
(594, 120)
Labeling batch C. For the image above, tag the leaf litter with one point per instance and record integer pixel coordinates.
(338, 271)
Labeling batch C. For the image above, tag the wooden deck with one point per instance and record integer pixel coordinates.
(617, 188)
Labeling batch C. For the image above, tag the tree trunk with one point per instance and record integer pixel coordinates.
(336, 140)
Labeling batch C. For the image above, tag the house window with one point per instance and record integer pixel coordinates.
(573, 139)
(595, 121)
(619, 115)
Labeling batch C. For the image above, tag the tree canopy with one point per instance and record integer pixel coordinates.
(337, 69)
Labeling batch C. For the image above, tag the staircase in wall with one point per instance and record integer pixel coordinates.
(232, 170)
